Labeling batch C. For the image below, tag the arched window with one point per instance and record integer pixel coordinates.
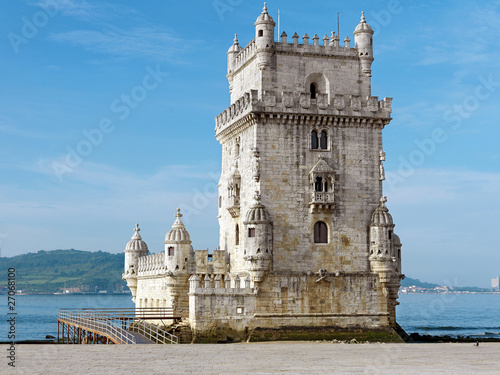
(320, 232)
(237, 235)
(326, 185)
(313, 90)
(318, 184)
(314, 140)
(323, 143)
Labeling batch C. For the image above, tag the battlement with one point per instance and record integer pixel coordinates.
(222, 284)
(295, 102)
(330, 47)
(151, 264)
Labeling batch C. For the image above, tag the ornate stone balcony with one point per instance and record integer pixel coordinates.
(234, 206)
(322, 202)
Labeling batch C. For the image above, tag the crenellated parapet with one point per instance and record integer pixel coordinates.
(285, 103)
(221, 284)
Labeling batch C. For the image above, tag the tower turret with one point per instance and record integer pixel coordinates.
(385, 256)
(258, 240)
(177, 246)
(135, 249)
(264, 38)
(231, 55)
(363, 41)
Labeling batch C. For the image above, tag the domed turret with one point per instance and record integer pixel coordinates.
(257, 214)
(177, 246)
(178, 233)
(381, 215)
(363, 41)
(258, 240)
(264, 37)
(136, 243)
(233, 51)
(135, 249)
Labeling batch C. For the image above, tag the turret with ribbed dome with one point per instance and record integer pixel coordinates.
(177, 246)
(264, 38)
(135, 249)
(258, 244)
(385, 256)
(363, 41)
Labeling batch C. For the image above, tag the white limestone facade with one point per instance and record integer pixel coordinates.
(306, 239)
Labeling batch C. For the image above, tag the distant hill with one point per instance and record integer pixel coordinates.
(50, 271)
(408, 281)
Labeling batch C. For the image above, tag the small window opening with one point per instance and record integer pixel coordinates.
(220, 201)
(324, 140)
(390, 234)
(320, 232)
(318, 185)
(313, 90)
(399, 254)
(177, 268)
(237, 190)
(237, 235)
(314, 140)
(251, 232)
(258, 251)
(261, 32)
(171, 251)
(326, 185)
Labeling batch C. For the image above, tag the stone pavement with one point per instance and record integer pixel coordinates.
(255, 358)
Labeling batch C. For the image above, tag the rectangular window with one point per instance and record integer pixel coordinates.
(251, 232)
(171, 251)
(240, 310)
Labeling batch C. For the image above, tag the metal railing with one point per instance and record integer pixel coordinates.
(153, 332)
(105, 327)
(116, 323)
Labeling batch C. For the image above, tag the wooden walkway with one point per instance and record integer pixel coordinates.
(115, 326)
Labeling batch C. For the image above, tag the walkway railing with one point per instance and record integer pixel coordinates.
(116, 323)
(89, 322)
(153, 332)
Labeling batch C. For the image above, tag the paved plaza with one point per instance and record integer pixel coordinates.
(256, 358)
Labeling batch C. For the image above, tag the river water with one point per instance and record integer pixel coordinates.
(475, 315)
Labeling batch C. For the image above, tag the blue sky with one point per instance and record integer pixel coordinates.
(107, 119)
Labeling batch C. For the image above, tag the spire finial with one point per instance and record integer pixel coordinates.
(236, 39)
(363, 20)
(264, 10)
(178, 214)
(136, 235)
(383, 200)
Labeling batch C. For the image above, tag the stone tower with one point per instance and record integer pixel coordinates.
(303, 134)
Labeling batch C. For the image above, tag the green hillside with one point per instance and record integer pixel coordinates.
(51, 271)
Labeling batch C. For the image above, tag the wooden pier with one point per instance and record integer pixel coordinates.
(115, 326)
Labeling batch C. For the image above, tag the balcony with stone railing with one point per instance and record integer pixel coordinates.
(321, 202)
